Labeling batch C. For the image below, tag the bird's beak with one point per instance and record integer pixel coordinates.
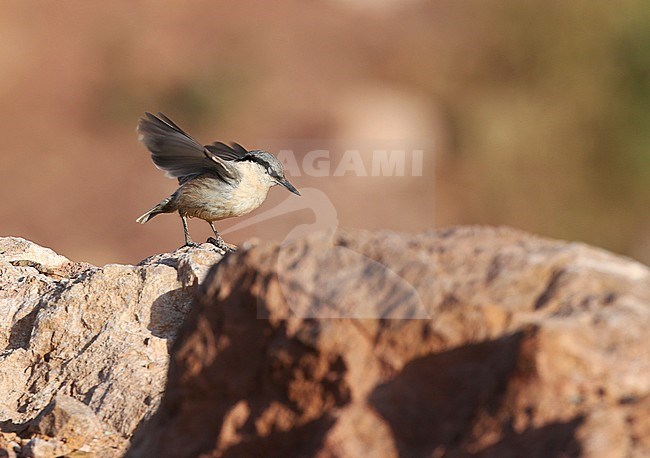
(284, 182)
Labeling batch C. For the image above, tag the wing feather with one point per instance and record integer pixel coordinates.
(178, 154)
(236, 152)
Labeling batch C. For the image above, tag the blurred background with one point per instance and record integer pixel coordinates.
(532, 114)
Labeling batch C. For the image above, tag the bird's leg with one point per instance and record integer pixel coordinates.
(186, 232)
(218, 241)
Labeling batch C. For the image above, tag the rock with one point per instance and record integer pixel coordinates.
(465, 341)
(76, 427)
(69, 419)
(21, 252)
(39, 448)
(9, 444)
(98, 335)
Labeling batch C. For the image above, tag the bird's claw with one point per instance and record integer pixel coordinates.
(219, 243)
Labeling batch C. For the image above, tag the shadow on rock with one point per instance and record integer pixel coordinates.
(552, 440)
(237, 380)
(435, 398)
(168, 310)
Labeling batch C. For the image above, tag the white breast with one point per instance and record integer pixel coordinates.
(211, 200)
(252, 189)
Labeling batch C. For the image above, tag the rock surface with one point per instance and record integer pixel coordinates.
(467, 341)
(462, 342)
(100, 336)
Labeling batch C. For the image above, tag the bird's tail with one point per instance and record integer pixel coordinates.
(150, 214)
(158, 209)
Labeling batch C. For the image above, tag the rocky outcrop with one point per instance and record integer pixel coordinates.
(462, 342)
(98, 337)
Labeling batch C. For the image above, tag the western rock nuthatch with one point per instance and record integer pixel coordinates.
(217, 181)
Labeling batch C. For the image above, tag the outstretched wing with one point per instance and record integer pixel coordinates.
(234, 152)
(178, 154)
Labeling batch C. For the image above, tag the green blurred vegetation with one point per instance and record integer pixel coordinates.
(551, 113)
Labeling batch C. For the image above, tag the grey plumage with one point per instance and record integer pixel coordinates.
(175, 152)
(154, 211)
(217, 181)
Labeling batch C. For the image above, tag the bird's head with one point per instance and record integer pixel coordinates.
(271, 168)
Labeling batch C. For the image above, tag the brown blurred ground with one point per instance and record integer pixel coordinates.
(532, 114)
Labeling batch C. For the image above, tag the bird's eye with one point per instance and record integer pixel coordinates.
(269, 171)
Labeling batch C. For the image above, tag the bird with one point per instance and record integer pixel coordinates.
(216, 181)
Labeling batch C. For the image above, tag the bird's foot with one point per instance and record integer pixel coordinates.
(219, 243)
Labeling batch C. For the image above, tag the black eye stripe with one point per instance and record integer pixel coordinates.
(261, 162)
(264, 163)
